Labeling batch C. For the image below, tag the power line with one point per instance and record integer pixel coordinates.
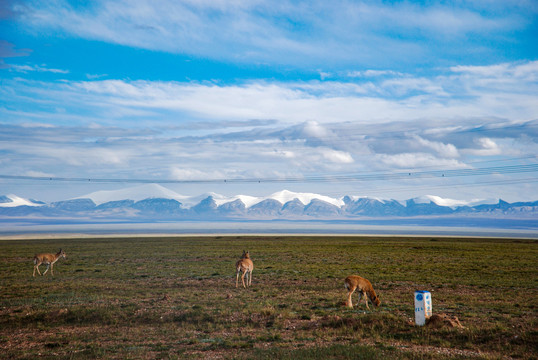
(504, 170)
(452, 185)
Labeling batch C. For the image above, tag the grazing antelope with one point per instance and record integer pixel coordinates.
(364, 288)
(49, 260)
(244, 265)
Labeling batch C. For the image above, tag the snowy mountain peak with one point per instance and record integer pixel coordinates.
(426, 199)
(245, 199)
(285, 196)
(14, 201)
(136, 193)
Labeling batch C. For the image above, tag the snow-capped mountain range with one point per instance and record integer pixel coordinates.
(154, 191)
(153, 201)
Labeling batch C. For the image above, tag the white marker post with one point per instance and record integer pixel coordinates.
(423, 306)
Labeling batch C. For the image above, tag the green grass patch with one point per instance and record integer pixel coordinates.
(176, 298)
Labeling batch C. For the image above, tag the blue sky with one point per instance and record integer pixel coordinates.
(337, 98)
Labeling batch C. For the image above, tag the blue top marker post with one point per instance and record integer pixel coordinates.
(423, 306)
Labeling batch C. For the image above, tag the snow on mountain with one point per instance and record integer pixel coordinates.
(136, 193)
(356, 198)
(14, 201)
(285, 196)
(361, 205)
(282, 197)
(245, 199)
(426, 199)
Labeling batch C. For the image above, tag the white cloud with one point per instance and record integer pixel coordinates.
(299, 102)
(179, 173)
(38, 174)
(337, 156)
(314, 103)
(37, 68)
(374, 73)
(81, 157)
(286, 154)
(412, 160)
(37, 125)
(100, 152)
(519, 70)
(486, 147)
(287, 32)
(402, 86)
(314, 129)
(66, 153)
(448, 21)
(444, 150)
(95, 76)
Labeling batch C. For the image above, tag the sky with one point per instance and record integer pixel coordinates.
(387, 99)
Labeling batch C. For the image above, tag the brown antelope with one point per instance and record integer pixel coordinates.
(49, 260)
(244, 265)
(363, 287)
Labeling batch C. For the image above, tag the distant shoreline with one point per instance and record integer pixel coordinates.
(292, 228)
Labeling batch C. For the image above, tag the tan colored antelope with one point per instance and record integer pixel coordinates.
(363, 287)
(244, 265)
(49, 260)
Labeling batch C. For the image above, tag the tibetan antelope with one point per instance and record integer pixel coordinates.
(244, 265)
(49, 260)
(363, 287)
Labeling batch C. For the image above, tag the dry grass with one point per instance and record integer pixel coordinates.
(176, 298)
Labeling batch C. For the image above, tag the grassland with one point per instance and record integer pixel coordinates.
(168, 298)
